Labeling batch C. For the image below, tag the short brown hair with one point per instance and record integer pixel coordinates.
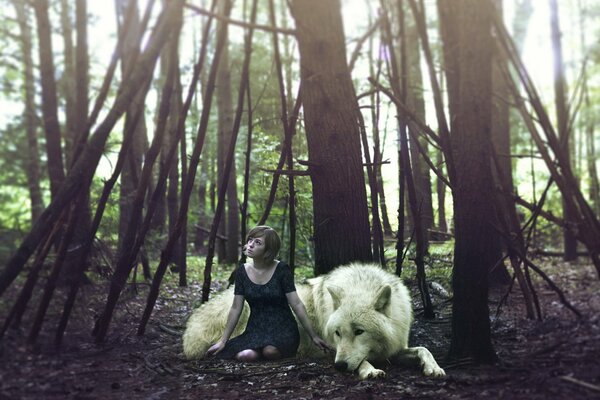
(272, 240)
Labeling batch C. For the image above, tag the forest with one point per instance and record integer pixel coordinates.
(452, 143)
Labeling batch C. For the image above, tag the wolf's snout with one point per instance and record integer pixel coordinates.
(341, 366)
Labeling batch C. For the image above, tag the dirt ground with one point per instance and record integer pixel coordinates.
(557, 358)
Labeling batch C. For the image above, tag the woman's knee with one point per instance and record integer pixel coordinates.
(271, 353)
(247, 355)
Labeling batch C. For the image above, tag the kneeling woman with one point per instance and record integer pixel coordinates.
(268, 286)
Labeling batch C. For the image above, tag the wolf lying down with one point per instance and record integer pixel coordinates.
(363, 311)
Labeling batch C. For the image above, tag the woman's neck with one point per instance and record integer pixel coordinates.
(261, 263)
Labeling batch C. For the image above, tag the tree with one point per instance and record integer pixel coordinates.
(33, 164)
(229, 225)
(341, 219)
(416, 102)
(56, 169)
(133, 167)
(474, 211)
(562, 116)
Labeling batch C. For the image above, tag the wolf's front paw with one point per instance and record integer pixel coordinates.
(371, 373)
(433, 370)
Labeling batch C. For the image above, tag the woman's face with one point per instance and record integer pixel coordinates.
(255, 247)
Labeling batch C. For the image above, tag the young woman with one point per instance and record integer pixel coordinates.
(268, 286)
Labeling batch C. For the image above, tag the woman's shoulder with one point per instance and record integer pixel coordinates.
(284, 269)
(241, 270)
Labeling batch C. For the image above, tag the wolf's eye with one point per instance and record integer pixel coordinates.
(337, 333)
(358, 332)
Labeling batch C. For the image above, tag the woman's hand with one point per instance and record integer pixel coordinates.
(320, 343)
(215, 348)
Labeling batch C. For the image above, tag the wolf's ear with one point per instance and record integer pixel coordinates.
(382, 299)
(336, 293)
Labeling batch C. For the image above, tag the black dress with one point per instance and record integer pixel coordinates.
(271, 321)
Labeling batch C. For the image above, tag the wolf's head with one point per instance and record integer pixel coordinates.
(359, 328)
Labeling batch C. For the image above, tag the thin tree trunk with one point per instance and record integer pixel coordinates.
(246, 187)
(67, 80)
(56, 170)
(416, 103)
(500, 127)
(441, 196)
(225, 121)
(133, 166)
(591, 156)
(33, 164)
(173, 184)
(562, 116)
(78, 126)
(203, 180)
(289, 129)
(183, 241)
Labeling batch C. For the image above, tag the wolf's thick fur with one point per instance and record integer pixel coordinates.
(360, 309)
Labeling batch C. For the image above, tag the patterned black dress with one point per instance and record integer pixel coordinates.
(271, 321)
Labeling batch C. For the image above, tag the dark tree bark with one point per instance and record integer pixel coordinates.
(500, 131)
(173, 184)
(289, 130)
(591, 157)
(472, 188)
(77, 128)
(229, 225)
(341, 220)
(56, 170)
(67, 80)
(416, 103)
(441, 197)
(562, 116)
(133, 166)
(31, 125)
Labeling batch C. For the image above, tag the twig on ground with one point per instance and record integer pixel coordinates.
(587, 385)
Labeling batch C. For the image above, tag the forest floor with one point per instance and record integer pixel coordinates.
(557, 358)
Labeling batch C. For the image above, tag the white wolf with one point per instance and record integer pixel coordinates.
(363, 311)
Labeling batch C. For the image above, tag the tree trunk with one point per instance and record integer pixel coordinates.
(33, 164)
(56, 170)
(67, 79)
(416, 103)
(441, 197)
(173, 185)
(225, 120)
(78, 126)
(473, 197)
(341, 219)
(500, 131)
(133, 166)
(562, 116)
(590, 137)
